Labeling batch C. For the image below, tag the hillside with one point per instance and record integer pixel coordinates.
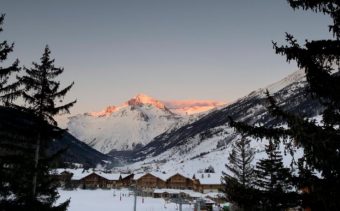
(207, 141)
(77, 152)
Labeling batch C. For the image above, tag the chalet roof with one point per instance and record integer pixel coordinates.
(108, 176)
(203, 178)
(214, 195)
(138, 176)
(159, 175)
(177, 191)
(79, 174)
(181, 174)
(58, 171)
(209, 178)
(125, 175)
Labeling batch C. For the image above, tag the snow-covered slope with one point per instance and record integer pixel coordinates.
(189, 107)
(126, 127)
(134, 123)
(207, 141)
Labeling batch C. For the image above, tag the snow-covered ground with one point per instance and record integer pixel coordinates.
(109, 200)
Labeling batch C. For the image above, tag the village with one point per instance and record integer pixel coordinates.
(176, 187)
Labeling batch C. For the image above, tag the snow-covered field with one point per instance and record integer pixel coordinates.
(114, 200)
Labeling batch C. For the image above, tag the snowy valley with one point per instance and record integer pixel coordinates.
(159, 139)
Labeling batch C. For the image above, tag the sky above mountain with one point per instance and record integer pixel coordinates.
(171, 50)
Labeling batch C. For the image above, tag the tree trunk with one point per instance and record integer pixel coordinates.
(36, 162)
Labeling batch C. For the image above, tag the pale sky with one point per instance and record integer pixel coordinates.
(168, 49)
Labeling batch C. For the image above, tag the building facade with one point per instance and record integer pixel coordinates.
(90, 179)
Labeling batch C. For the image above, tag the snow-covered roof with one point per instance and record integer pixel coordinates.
(57, 171)
(214, 195)
(124, 175)
(177, 191)
(138, 176)
(204, 178)
(208, 178)
(109, 176)
(186, 175)
(78, 174)
(159, 175)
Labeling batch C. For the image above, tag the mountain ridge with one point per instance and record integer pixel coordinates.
(181, 107)
(130, 125)
(206, 141)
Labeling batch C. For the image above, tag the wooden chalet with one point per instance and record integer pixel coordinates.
(101, 180)
(126, 180)
(178, 181)
(149, 181)
(94, 180)
(202, 182)
(207, 182)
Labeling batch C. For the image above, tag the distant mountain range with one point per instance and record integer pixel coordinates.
(135, 123)
(148, 134)
(251, 109)
(207, 141)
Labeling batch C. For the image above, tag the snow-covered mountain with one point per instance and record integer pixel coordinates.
(125, 127)
(207, 141)
(133, 124)
(189, 107)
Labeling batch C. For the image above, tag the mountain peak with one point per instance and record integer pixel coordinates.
(107, 111)
(142, 99)
(181, 107)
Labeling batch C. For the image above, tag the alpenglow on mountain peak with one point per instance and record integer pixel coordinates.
(133, 123)
(138, 100)
(181, 107)
(142, 99)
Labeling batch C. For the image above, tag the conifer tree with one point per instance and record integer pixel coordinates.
(238, 184)
(43, 95)
(11, 149)
(17, 134)
(240, 160)
(274, 180)
(8, 92)
(321, 143)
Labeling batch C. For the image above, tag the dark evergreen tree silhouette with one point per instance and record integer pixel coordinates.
(8, 91)
(274, 181)
(321, 143)
(43, 97)
(11, 148)
(240, 160)
(238, 184)
(17, 144)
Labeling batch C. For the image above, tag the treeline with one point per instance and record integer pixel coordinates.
(313, 181)
(29, 100)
